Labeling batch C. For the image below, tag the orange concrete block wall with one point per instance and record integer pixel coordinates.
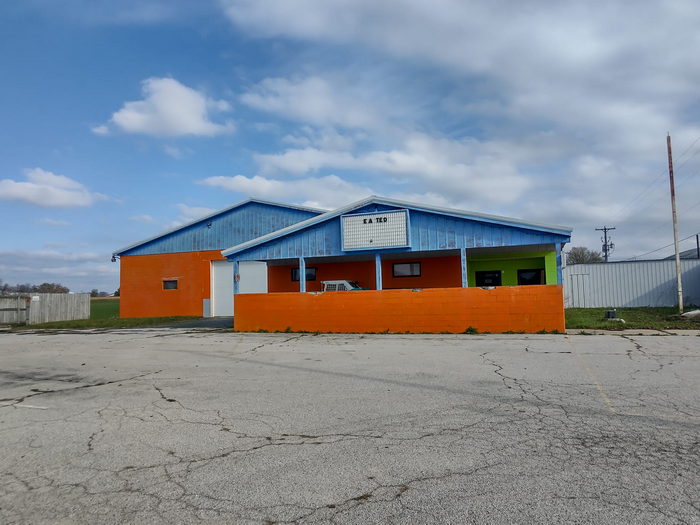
(141, 283)
(434, 310)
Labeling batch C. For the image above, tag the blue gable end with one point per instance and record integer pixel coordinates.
(228, 227)
(429, 231)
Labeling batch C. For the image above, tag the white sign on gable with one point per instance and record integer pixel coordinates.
(368, 231)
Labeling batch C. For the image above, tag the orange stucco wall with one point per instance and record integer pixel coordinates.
(502, 309)
(436, 272)
(141, 283)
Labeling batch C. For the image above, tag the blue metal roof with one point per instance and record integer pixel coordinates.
(236, 224)
(431, 229)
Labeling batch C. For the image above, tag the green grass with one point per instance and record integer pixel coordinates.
(659, 318)
(104, 309)
(104, 313)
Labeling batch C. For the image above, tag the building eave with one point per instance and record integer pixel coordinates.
(494, 219)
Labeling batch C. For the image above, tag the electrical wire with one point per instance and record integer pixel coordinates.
(656, 179)
(659, 249)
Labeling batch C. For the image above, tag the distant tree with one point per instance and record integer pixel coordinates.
(103, 294)
(116, 293)
(582, 255)
(50, 288)
(94, 292)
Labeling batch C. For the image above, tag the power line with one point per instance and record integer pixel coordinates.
(688, 148)
(658, 249)
(660, 176)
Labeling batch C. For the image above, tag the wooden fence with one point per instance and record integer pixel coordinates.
(44, 308)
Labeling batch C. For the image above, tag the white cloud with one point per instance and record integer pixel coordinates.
(170, 109)
(189, 214)
(314, 100)
(194, 212)
(601, 69)
(175, 152)
(567, 105)
(466, 170)
(324, 192)
(142, 218)
(52, 222)
(324, 138)
(79, 271)
(100, 130)
(124, 12)
(44, 188)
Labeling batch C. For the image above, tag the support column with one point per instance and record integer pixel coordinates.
(463, 260)
(236, 277)
(378, 270)
(302, 274)
(557, 249)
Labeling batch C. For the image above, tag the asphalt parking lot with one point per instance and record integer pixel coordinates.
(182, 425)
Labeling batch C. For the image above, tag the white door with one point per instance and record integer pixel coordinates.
(253, 280)
(253, 277)
(221, 288)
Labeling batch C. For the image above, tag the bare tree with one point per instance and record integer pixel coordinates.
(582, 255)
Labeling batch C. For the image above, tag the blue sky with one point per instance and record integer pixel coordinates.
(122, 119)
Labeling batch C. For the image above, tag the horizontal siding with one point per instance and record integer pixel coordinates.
(223, 231)
(428, 232)
(630, 284)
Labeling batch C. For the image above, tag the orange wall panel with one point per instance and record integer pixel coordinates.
(141, 283)
(436, 272)
(431, 310)
(280, 277)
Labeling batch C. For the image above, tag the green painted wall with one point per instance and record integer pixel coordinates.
(510, 263)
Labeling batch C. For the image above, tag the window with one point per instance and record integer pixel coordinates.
(488, 278)
(526, 277)
(170, 284)
(407, 269)
(310, 274)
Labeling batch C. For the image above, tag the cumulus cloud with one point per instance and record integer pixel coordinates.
(465, 170)
(552, 112)
(169, 109)
(598, 67)
(142, 218)
(175, 152)
(45, 188)
(314, 100)
(79, 271)
(52, 222)
(330, 191)
(189, 214)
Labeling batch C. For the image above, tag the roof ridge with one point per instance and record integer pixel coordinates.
(393, 202)
(214, 214)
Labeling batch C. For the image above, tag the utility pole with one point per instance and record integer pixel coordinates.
(675, 224)
(608, 247)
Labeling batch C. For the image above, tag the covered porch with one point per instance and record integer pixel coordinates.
(474, 267)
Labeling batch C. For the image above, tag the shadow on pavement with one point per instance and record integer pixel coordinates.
(207, 322)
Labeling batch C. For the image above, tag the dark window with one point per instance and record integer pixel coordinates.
(526, 277)
(488, 278)
(310, 274)
(170, 285)
(407, 269)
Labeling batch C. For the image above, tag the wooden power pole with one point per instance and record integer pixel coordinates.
(675, 224)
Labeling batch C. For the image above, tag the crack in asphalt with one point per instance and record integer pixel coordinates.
(535, 427)
(11, 402)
